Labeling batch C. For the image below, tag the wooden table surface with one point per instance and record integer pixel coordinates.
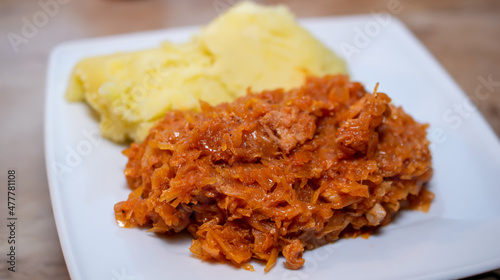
(464, 36)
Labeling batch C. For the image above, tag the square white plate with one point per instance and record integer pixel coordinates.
(460, 236)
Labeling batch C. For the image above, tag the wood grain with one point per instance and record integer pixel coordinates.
(463, 35)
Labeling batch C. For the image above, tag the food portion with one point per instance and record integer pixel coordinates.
(249, 46)
(278, 172)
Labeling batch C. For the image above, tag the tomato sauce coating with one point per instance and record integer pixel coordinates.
(278, 172)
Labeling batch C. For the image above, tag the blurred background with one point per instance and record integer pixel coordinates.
(464, 36)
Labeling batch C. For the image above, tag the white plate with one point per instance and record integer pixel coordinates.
(457, 238)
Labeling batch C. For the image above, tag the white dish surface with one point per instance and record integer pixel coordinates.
(458, 237)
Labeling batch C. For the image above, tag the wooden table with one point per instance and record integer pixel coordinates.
(463, 35)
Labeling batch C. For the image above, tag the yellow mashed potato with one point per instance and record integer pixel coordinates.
(248, 46)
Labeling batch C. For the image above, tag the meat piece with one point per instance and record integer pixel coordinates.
(376, 215)
(289, 127)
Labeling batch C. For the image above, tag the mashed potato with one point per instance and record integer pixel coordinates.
(248, 46)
